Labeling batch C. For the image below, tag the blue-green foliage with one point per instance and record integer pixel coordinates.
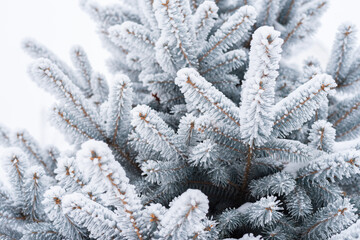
(203, 133)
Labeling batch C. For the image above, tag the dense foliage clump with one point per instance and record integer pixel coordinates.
(203, 132)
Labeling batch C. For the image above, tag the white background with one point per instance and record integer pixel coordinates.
(59, 24)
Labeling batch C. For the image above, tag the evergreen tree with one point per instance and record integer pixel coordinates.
(204, 132)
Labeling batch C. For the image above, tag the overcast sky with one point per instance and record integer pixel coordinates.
(59, 24)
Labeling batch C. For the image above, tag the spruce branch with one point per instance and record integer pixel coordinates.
(331, 167)
(184, 216)
(50, 77)
(322, 136)
(342, 51)
(258, 91)
(229, 33)
(28, 144)
(53, 208)
(150, 126)
(97, 161)
(201, 95)
(303, 21)
(329, 220)
(174, 25)
(100, 222)
(120, 101)
(204, 19)
(300, 105)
